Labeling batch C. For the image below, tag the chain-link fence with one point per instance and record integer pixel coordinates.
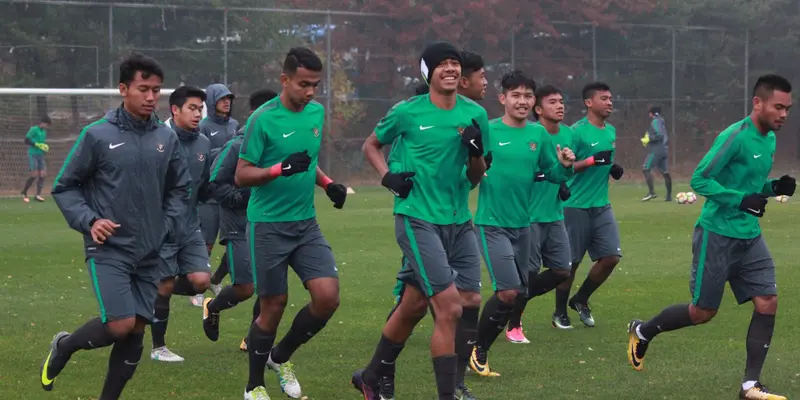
(700, 76)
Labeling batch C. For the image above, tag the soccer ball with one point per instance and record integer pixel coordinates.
(782, 199)
(690, 197)
(681, 198)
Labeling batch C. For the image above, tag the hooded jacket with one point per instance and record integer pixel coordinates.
(131, 172)
(219, 130)
(231, 198)
(195, 148)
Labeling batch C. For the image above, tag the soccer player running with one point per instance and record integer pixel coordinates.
(520, 148)
(657, 156)
(278, 158)
(36, 139)
(233, 222)
(727, 245)
(123, 186)
(549, 242)
(184, 257)
(438, 134)
(587, 213)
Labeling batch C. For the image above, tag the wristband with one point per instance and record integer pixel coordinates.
(589, 161)
(324, 181)
(275, 170)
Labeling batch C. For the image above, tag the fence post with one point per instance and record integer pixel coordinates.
(673, 121)
(111, 46)
(746, 70)
(594, 52)
(513, 51)
(329, 86)
(225, 47)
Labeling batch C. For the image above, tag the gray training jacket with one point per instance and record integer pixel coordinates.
(218, 130)
(232, 199)
(658, 135)
(196, 149)
(131, 172)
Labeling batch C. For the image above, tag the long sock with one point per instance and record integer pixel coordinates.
(226, 299)
(158, 328)
(669, 319)
(562, 297)
(544, 282)
(648, 177)
(39, 186)
(587, 288)
(444, 367)
(256, 308)
(221, 271)
(383, 360)
(668, 184)
(515, 317)
(759, 337)
(466, 337)
(28, 184)
(183, 286)
(91, 335)
(493, 320)
(125, 357)
(304, 327)
(259, 344)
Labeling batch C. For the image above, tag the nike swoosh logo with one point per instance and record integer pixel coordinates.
(595, 144)
(288, 167)
(600, 160)
(472, 142)
(262, 354)
(130, 363)
(754, 211)
(394, 193)
(636, 363)
(45, 379)
(285, 135)
(756, 155)
(425, 128)
(504, 143)
(470, 342)
(114, 146)
(214, 133)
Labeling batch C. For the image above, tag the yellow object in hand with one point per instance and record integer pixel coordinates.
(645, 139)
(43, 147)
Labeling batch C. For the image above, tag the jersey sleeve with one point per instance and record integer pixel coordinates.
(255, 141)
(578, 146)
(703, 180)
(31, 134)
(390, 126)
(766, 190)
(74, 174)
(483, 123)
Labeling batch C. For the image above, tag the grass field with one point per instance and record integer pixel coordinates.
(45, 288)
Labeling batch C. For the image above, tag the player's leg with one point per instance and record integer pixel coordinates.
(662, 165)
(220, 273)
(712, 256)
(514, 331)
(33, 167)
(648, 177)
(208, 213)
(168, 267)
(42, 166)
(579, 229)
(237, 253)
(604, 250)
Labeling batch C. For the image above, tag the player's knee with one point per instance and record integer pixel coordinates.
(244, 291)
(326, 303)
(610, 261)
(507, 296)
(120, 328)
(447, 306)
(273, 304)
(470, 299)
(166, 286)
(701, 315)
(201, 281)
(767, 305)
(564, 274)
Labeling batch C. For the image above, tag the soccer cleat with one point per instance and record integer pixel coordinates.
(561, 321)
(479, 362)
(197, 300)
(258, 393)
(164, 354)
(516, 336)
(584, 311)
(39, 198)
(463, 393)
(636, 346)
(54, 363)
(243, 345)
(216, 289)
(210, 322)
(286, 377)
(668, 198)
(650, 196)
(368, 391)
(386, 388)
(26, 199)
(758, 392)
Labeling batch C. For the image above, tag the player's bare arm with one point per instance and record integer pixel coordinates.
(475, 170)
(248, 175)
(372, 152)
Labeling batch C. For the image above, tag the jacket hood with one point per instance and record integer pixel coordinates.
(123, 119)
(215, 93)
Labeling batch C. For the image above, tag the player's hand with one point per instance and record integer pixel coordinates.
(784, 186)
(337, 193)
(616, 172)
(565, 156)
(103, 229)
(754, 204)
(296, 163)
(563, 192)
(645, 139)
(472, 139)
(487, 159)
(398, 183)
(43, 147)
(602, 158)
(539, 177)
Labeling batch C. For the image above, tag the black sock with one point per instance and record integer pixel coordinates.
(39, 186)
(28, 184)
(515, 317)
(383, 360)
(544, 282)
(493, 320)
(669, 319)
(158, 328)
(221, 271)
(562, 297)
(256, 308)
(227, 298)
(648, 177)
(668, 184)
(125, 357)
(304, 327)
(91, 335)
(183, 286)
(466, 336)
(586, 290)
(444, 367)
(259, 344)
(759, 337)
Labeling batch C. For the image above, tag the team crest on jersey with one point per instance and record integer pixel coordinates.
(316, 132)
(160, 148)
(533, 146)
(201, 157)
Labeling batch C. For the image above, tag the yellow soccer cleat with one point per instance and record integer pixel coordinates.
(55, 362)
(636, 346)
(479, 362)
(759, 392)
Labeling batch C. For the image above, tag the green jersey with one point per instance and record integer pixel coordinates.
(737, 164)
(504, 196)
(36, 135)
(545, 204)
(590, 188)
(272, 133)
(426, 140)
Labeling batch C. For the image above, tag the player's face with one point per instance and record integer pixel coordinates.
(301, 86)
(518, 102)
(188, 117)
(44, 125)
(141, 96)
(224, 105)
(474, 85)
(551, 107)
(773, 111)
(600, 103)
(446, 76)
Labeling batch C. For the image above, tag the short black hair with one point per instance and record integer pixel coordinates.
(139, 63)
(544, 91)
(301, 57)
(179, 96)
(591, 88)
(769, 83)
(470, 62)
(515, 79)
(44, 120)
(259, 97)
(421, 89)
(655, 110)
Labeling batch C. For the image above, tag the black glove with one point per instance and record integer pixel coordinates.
(539, 177)
(616, 172)
(488, 160)
(337, 193)
(398, 183)
(472, 139)
(602, 158)
(784, 186)
(563, 192)
(754, 204)
(295, 163)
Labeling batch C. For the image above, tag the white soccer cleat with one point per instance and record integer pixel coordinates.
(165, 355)
(258, 393)
(197, 300)
(216, 289)
(286, 378)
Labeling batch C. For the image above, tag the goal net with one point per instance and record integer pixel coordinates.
(69, 111)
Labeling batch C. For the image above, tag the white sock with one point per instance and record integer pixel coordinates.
(748, 385)
(639, 333)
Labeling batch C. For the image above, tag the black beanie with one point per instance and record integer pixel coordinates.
(433, 55)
